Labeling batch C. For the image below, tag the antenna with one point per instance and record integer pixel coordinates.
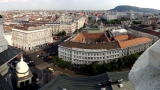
(21, 57)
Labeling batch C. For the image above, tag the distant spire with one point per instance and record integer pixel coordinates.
(21, 57)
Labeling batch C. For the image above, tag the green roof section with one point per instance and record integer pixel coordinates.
(95, 30)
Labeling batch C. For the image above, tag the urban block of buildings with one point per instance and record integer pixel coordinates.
(85, 48)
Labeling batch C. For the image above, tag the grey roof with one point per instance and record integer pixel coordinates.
(52, 23)
(120, 75)
(8, 54)
(1, 16)
(77, 83)
(4, 85)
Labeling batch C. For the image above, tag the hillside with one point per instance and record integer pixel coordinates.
(124, 8)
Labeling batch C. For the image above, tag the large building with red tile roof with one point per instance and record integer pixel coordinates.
(85, 48)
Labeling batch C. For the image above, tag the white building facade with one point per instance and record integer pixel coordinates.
(8, 37)
(69, 28)
(109, 17)
(30, 39)
(80, 22)
(87, 56)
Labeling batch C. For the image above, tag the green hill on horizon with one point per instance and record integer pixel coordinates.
(123, 8)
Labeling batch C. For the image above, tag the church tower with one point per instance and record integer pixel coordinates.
(3, 42)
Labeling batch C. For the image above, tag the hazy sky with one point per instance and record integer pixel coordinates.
(75, 4)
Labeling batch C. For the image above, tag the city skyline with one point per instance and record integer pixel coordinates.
(73, 4)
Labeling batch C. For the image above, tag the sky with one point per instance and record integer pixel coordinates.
(74, 4)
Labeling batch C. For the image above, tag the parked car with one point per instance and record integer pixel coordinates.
(49, 57)
(16, 61)
(50, 69)
(25, 54)
(120, 85)
(30, 61)
(41, 52)
(37, 55)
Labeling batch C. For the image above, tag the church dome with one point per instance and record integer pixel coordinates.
(22, 66)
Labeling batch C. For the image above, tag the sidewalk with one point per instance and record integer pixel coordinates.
(46, 47)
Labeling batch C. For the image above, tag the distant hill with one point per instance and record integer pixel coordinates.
(124, 8)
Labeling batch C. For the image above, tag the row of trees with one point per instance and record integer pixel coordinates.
(96, 68)
(62, 33)
(119, 64)
(116, 21)
(61, 63)
(136, 22)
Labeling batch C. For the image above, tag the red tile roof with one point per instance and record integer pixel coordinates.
(134, 42)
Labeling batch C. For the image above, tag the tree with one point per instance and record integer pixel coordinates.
(60, 34)
(106, 67)
(63, 33)
(89, 18)
(124, 19)
(114, 65)
(121, 63)
(94, 67)
(68, 65)
(136, 22)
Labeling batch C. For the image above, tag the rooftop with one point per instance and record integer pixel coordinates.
(125, 37)
(145, 30)
(120, 75)
(133, 42)
(77, 83)
(8, 54)
(111, 45)
(4, 85)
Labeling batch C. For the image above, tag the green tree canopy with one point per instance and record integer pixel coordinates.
(63, 33)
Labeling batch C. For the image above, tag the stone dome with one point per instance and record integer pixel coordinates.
(22, 66)
(145, 73)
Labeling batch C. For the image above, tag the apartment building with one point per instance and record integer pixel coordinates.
(87, 48)
(80, 22)
(109, 17)
(31, 37)
(58, 27)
